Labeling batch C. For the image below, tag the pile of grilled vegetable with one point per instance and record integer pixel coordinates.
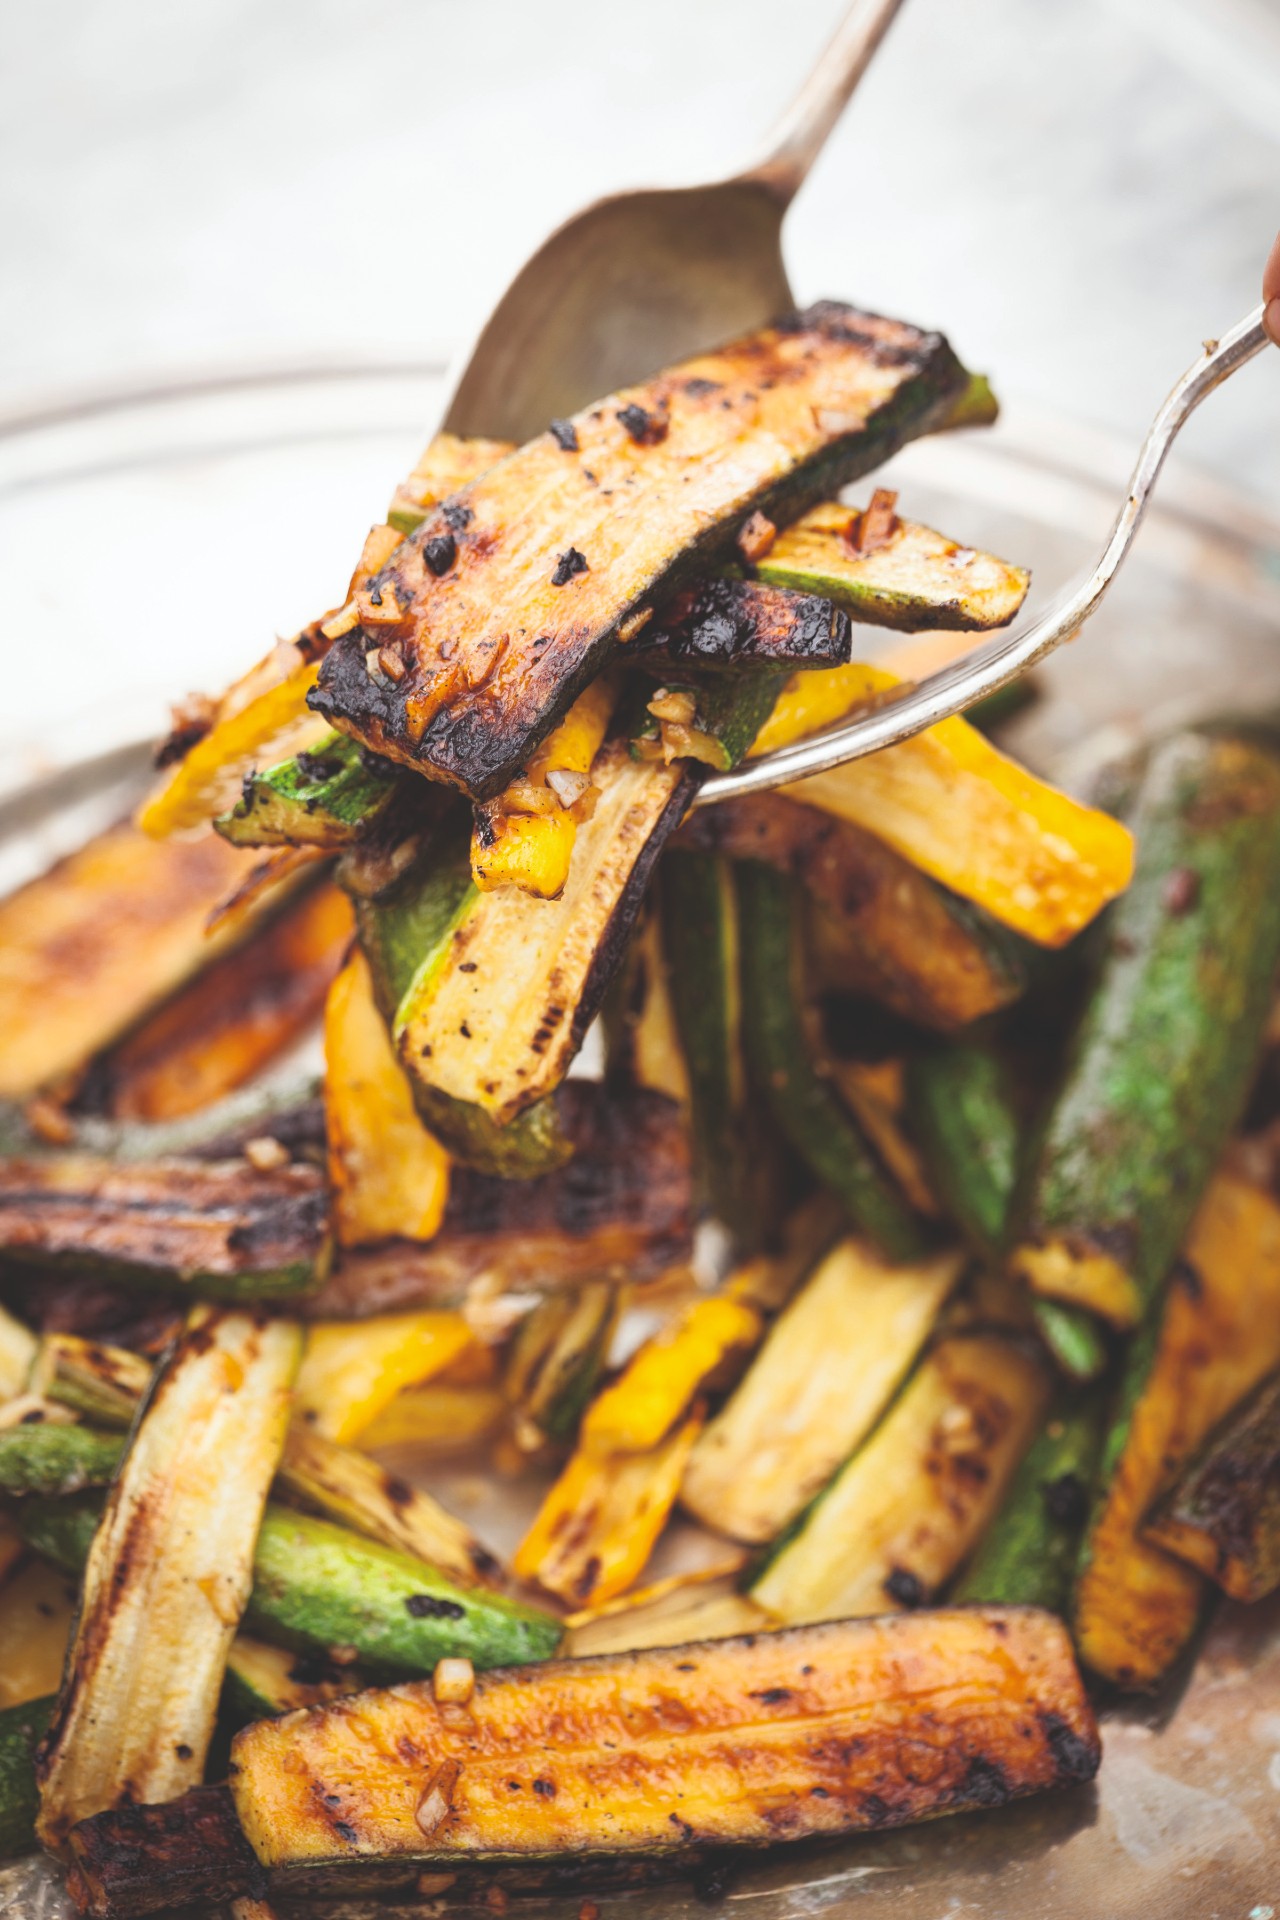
(974, 1078)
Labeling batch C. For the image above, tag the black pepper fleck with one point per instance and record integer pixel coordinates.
(440, 552)
(905, 1587)
(1066, 1499)
(571, 562)
(646, 429)
(565, 435)
(426, 1606)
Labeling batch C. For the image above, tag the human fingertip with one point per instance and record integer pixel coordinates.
(1271, 319)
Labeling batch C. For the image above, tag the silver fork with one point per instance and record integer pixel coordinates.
(1008, 655)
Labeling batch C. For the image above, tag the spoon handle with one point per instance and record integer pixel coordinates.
(801, 133)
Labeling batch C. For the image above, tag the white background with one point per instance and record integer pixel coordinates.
(1078, 190)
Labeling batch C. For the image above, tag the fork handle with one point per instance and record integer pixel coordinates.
(801, 133)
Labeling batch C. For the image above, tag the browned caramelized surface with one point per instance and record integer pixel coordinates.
(778, 1736)
(174, 1218)
(497, 1022)
(144, 1859)
(741, 623)
(624, 1201)
(228, 1024)
(511, 592)
(98, 940)
(906, 944)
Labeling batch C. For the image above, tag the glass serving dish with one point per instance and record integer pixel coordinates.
(156, 541)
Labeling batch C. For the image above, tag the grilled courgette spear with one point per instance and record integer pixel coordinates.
(97, 941)
(1033, 858)
(1223, 1514)
(1028, 1556)
(495, 633)
(826, 1372)
(239, 1014)
(900, 938)
(317, 1585)
(1162, 1060)
(1135, 1607)
(223, 1230)
(815, 1731)
(906, 576)
(390, 1177)
(700, 940)
(898, 1519)
(742, 626)
(967, 1120)
(501, 999)
(168, 1572)
(329, 796)
(809, 1115)
(828, 1708)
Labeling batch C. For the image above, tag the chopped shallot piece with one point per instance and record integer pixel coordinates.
(869, 531)
(453, 1682)
(677, 705)
(378, 608)
(567, 786)
(756, 537)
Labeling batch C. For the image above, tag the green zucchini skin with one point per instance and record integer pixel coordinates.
(61, 1531)
(469, 715)
(1028, 1557)
(413, 916)
(904, 940)
(994, 709)
(401, 932)
(1074, 1337)
(1161, 1062)
(323, 1586)
(964, 1118)
(262, 1681)
(729, 715)
(558, 1356)
(743, 626)
(292, 1112)
(318, 1585)
(53, 1460)
(20, 1728)
(975, 405)
(819, 1129)
(700, 935)
(329, 797)
(916, 579)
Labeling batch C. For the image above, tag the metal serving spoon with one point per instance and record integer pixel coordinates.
(640, 280)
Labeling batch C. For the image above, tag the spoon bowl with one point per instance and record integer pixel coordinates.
(639, 280)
